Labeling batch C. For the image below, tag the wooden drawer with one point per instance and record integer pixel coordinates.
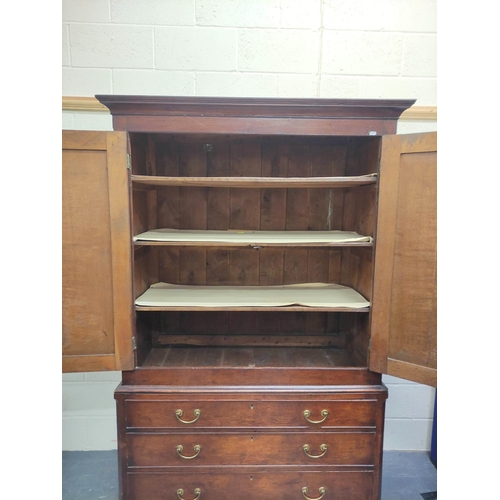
(248, 484)
(160, 450)
(161, 414)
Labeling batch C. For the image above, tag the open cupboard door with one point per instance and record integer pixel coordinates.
(96, 253)
(403, 317)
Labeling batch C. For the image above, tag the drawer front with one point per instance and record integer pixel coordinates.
(193, 414)
(251, 485)
(325, 448)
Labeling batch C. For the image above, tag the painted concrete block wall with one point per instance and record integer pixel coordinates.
(285, 48)
(262, 48)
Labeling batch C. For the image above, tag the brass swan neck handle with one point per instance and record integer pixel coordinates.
(180, 449)
(321, 490)
(180, 494)
(306, 449)
(324, 414)
(179, 413)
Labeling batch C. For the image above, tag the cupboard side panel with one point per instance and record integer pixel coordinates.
(363, 155)
(359, 214)
(357, 270)
(360, 210)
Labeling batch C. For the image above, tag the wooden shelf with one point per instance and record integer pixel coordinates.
(252, 308)
(253, 239)
(256, 182)
(306, 297)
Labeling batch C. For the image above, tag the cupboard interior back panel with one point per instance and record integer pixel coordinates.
(270, 209)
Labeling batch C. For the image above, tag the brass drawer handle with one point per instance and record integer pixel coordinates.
(179, 413)
(306, 449)
(324, 413)
(322, 491)
(180, 448)
(197, 492)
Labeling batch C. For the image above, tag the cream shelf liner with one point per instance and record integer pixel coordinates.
(303, 294)
(251, 237)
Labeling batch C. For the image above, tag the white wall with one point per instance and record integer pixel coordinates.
(313, 48)
(259, 48)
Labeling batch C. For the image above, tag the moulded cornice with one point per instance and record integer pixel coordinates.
(76, 103)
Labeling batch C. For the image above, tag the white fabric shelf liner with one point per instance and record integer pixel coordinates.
(251, 237)
(303, 294)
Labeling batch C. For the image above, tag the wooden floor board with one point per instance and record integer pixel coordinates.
(249, 357)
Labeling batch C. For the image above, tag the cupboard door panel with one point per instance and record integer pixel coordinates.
(96, 253)
(403, 330)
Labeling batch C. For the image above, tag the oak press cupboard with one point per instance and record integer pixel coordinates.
(252, 266)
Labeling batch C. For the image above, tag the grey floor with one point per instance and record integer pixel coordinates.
(93, 475)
